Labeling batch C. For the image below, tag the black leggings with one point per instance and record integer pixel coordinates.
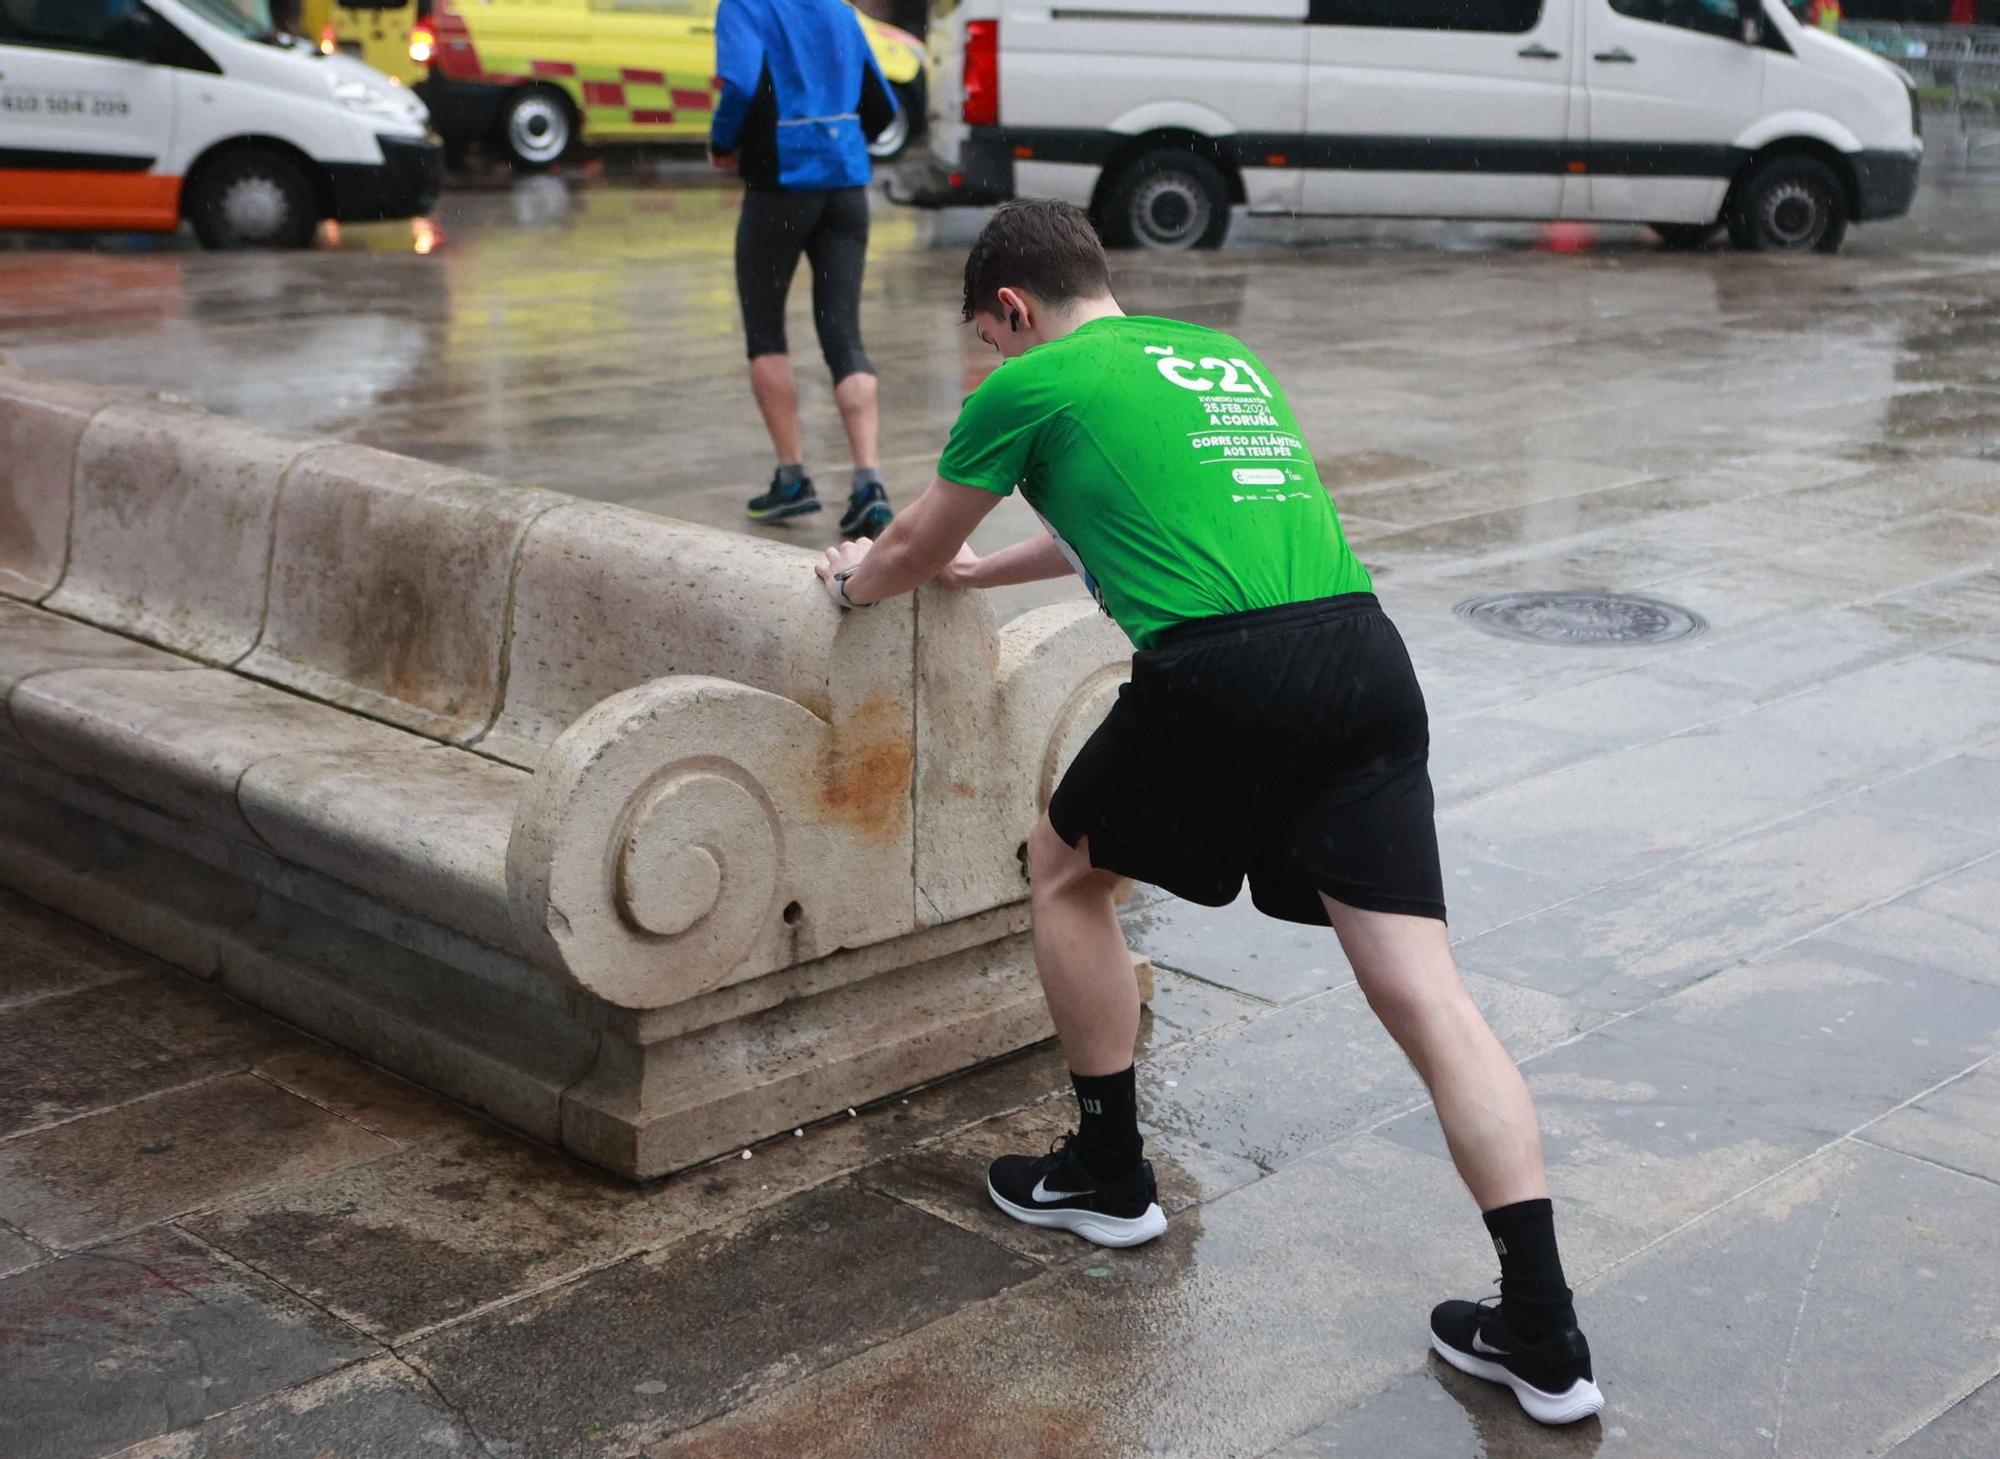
(831, 228)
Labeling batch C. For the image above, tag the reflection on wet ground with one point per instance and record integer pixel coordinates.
(1733, 900)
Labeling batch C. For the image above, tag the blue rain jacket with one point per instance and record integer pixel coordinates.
(801, 93)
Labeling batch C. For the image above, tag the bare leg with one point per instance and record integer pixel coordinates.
(1405, 969)
(856, 398)
(1080, 953)
(777, 392)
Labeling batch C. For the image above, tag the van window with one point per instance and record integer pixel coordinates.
(1513, 17)
(1713, 17)
(70, 25)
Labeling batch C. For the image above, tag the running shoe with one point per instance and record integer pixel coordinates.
(867, 512)
(1058, 1190)
(781, 503)
(1551, 1378)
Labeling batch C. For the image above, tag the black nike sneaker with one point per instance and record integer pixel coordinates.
(1551, 1378)
(867, 512)
(1058, 1190)
(780, 503)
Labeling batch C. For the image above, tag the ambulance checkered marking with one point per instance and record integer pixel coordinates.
(622, 98)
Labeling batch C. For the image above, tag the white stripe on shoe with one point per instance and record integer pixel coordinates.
(1090, 1225)
(1580, 1401)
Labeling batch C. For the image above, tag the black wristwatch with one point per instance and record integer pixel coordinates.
(840, 587)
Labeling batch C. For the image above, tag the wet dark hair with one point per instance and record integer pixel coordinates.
(1039, 246)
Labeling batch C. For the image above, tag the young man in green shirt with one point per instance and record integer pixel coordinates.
(1273, 729)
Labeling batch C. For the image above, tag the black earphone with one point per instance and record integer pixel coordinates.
(1014, 320)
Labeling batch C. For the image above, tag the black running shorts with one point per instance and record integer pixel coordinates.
(1289, 745)
(830, 227)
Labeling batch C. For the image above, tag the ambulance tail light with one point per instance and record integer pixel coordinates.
(328, 41)
(423, 44)
(982, 73)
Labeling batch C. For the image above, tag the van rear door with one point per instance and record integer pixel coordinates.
(84, 127)
(1438, 108)
(1670, 88)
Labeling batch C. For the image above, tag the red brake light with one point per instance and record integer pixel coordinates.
(982, 73)
(423, 44)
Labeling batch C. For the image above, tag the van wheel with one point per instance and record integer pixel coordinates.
(1684, 235)
(1791, 204)
(252, 197)
(1169, 198)
(537, 128)
(897, 136)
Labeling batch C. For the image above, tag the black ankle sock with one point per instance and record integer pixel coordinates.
(1533, 1297)
(1108, 1135)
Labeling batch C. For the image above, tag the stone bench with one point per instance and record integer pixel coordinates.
(606, 824)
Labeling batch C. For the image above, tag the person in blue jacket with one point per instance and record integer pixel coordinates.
(801, 97)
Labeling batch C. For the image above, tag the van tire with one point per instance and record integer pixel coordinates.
(1684, 235)
(1791, 204)
(908, 125)
(252, 197)
(537, 128)
(1168, 198)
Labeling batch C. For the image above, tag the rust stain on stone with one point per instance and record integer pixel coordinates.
(867, 784)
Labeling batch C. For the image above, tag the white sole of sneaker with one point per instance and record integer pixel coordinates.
(1090, 1225)
(1580, 1401)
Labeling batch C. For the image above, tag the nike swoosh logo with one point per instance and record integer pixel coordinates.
(1041, 1195)
(1486, 1349)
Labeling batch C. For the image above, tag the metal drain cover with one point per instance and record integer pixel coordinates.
(1580, 620)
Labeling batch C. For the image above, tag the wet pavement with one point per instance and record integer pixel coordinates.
(1733, 900)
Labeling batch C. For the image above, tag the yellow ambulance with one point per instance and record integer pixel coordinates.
(392, 36)
(537, 77)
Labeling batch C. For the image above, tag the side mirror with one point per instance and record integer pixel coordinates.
(1750, 20)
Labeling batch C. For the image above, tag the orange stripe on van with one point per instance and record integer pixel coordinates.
(33, 198)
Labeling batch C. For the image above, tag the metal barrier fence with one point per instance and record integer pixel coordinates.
(1956, 67)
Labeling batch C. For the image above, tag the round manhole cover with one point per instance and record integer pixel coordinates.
(1581, 620)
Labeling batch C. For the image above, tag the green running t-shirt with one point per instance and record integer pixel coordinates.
(1169, 465)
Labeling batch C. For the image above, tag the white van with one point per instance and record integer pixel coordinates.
(1690, 115)
(134, 114)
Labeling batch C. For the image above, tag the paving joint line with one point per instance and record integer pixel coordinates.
(1949, 1169)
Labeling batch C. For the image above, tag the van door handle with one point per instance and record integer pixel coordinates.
(701, 30)
(1539, 52)
(1620, 55)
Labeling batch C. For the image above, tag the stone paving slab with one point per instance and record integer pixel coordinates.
(391, 1107)
(377, 1410)
(1629, 943)
(659, 1343)
(1658, 1117)
(433, 1232)
(1969, 1429)
(1804, 1285)
(17, 1252)
(143, 1336)
(1300, 1078)
(1957, 1126)
(1241, 1326)
(46, 957)
(79, 1052)
(1953, 923)
(90, 1179)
